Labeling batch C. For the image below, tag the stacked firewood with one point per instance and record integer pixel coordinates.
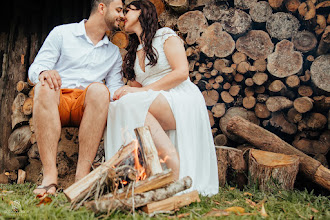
(132, 178)
(266, 61)
(24, 149)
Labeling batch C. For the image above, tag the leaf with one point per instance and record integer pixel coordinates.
(263, 211)
(216, 202)
(251, 203)
(46, 200)
(315, 210)
(231, 188)
(247, 194)
(235, 209)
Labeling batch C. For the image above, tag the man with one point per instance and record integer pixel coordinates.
(68, 73)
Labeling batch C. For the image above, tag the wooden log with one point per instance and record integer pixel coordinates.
(270, 142)
(276, 86)
(292, 5)
(234, 90)
(249, 102)
(243, 67)
(261, 111)
(314, 147)
(292, 81)
(279, 122)
(282, 25)
(31, 93)
(249, 82)
(19, 140)
(321, 24)
(303, 104)
(220, 140)
(294, 116)
(34, 171)
(159, 5)
(28, 106)
(322, 159)
(260, 89)
(260, 65)
(280, 65)
(304, 41)
(16, 162)
(33, 153)
(226, 86)
(322, 102)
(211, 118)
(172, 203)
(231, 166)
(306, 77)
(218, 110)
(150, 154)
(232, 112)
(262, 98)
(320, 72)
(249, 91)
(307, 10)
(215, 42)
(214, 12)
(269, 169)
(256, 44)
(79, 189)
(236, 21)
(18, 118)
(277, 103)
(238, 77)
(179, 6)
(324, 44)
(192, 23)
(211, 97)
(21, 176)
(4, 178)
(244, 4)
(314, 121)
(219, 64)
(168, 19)
(260, 78)
(22, 87)
(141, 199)
(226, 97)
(239, 57)
(305, 91)
(260, 11)
(275, 3)
(120, 39)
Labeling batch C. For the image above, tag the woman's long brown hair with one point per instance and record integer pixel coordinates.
(149, 23)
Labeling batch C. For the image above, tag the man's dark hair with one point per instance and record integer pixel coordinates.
(95, 4)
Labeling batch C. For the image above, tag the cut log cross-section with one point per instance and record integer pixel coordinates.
(282, 25)
(18, 117)
(260, 11)
(320, 72)
(268, 169)
(265, 140)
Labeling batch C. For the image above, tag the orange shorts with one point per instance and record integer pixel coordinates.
(71, 107)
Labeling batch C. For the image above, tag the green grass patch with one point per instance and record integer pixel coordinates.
(278, 205)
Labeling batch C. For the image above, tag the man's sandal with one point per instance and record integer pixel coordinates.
(46, 188)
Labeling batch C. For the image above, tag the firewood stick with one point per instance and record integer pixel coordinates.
(268, 141)
(79, 189)
(141, 199)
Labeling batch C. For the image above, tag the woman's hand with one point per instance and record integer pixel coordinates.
(125, 90)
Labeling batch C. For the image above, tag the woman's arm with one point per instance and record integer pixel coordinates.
(176, 56)
(134, 83)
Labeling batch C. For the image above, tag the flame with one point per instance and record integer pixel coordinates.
(141, 175)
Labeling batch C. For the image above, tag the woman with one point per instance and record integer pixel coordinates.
(161, 96)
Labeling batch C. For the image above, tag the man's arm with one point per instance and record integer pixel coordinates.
(43, 65)
(114, 78)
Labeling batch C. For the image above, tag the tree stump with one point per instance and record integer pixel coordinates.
(320, 72)
(282, 25)
(260, 11)
(231, 166)
(269, 169)
(284, 61)
(216, 42)
(304, 41)
(193, 23)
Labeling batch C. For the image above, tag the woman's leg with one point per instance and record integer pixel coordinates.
(160, 118)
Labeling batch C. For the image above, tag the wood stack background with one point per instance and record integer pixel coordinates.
(266, 61)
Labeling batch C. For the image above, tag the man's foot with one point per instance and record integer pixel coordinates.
(49, 189)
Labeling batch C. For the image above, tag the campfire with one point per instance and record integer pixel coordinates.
(133, 178)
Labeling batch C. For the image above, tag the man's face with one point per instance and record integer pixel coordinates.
(114, 14)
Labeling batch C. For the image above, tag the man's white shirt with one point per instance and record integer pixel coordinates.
(78, 61)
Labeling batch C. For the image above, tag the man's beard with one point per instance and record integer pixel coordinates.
(111, 23)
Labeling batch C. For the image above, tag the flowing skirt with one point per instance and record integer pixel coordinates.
(192, 137)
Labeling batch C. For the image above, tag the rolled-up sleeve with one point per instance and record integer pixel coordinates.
(114, 78)
(47, 56)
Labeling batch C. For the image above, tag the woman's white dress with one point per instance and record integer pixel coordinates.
(192, 137)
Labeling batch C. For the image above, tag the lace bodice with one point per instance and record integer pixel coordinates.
(154, 73)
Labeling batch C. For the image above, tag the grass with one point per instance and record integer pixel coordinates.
(278, 205)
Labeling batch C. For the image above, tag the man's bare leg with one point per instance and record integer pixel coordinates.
(92, 127)
(46, 121)
(164, 145)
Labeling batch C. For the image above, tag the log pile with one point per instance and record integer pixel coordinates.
(266, 61)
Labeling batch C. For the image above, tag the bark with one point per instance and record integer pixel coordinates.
(19, 141)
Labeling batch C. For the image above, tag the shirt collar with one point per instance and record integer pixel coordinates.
(81, 31)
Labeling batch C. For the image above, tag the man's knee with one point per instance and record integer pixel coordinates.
(99, 93)
(44, 94)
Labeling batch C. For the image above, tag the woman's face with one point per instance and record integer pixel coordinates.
(131, 18)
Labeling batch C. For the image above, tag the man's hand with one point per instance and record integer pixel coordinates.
(52, 78)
